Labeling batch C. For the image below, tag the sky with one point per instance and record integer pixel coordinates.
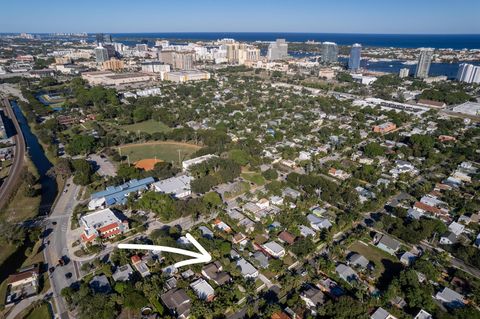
(334, 16)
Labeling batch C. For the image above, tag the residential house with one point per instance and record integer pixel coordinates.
(448, 239)
(222, 226)
(100, 284)
(456, 228)
(246, 268)
(140, 265)
(177, 302)
(422, 314)
(292, 193)
(408, 258)
(388, 244)
(358, 260)
(381, 313)
(313, 297)
(338, 173)
(123, 273)
(286, 237)
(450, 298)
(261, 259)
(346, 273)
(306, 231)
(384, 127)
(203, 290)
(239, 238)
(23, 284)
(206, 232)
(214, 272)
(274, 249)
(318, 223)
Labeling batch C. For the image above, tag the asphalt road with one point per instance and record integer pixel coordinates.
(56, 245)
(19, 155)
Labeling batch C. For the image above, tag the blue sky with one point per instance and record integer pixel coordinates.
(334, 16)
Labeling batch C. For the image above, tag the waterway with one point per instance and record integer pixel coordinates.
(40, 160)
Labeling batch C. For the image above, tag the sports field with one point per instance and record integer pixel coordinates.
(165, 151)
(150, 127)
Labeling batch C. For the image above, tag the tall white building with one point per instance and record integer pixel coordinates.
(424, 62)
(278, 50)
(404, 73)
(329, 52)
(468, 73)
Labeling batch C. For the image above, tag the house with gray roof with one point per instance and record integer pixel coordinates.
(203, 290)
(261, 259)
(450, 298)
(381, 313)
(346, 273)
(318, 223)
(214, 272)
(306, 231)
(206, 232)
(122, 273)
(178, 187)
(177, 302)
(422, 314)
(313, 297)
(358, 260)
(388, 244)
(100, 284)
(246, 268)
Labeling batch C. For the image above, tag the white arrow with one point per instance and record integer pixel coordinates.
(198, 258)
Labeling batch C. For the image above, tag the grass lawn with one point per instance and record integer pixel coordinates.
(256, 178)
(42, 312)
(150, 127)
(166, 151)
(373, 254)
(6, 251)
(35, 257)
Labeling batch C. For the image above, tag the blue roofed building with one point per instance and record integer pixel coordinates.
(117, 195)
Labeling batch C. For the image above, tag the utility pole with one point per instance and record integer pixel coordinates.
(179, 160)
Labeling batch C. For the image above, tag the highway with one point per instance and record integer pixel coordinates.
(56, 245)
(19, 156)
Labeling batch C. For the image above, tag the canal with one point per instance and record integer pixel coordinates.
(48, 191)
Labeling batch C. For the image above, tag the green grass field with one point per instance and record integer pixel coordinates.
(42, 312)
(166, 151)
(373, 254)
(256, 178)
(150, 127)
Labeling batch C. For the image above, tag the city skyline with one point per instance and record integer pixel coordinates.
(346, 16)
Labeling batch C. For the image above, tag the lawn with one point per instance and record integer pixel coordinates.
(373, 254)
(166, 151)
(256, 178)
(150, 127)
(41, 312)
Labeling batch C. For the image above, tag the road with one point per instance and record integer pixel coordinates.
(19, 156)
(56, 245)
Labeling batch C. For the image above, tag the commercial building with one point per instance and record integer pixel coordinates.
(109, 78)
(468, 108)
(197, 160)
(329, 52)
(101, 54)
(468, 73)
(179, 186)
(424, 62)
(155, 67)
(103, 223)
(185, 76)
(355, 55)
(113, 65)
(277, 50)
(179, 60)
(22, 284)
(117, 195)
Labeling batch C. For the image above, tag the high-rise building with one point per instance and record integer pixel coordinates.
(180, 60)
(404, 73)
(329, 52)
(103, 38)
(355, 54)
(468, 73)
(101, 54)
(278, 50)
(113, 65)
(424, 62)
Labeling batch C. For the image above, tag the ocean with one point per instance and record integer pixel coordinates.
(439, 41)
